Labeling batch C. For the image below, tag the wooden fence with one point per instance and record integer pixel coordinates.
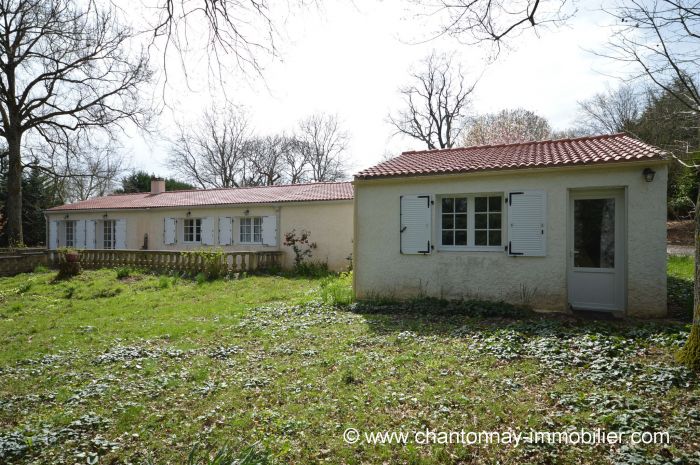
(168, 260)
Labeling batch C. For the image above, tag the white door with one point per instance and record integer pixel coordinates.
(596, 269)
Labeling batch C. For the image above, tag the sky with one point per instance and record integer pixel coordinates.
(349, 59)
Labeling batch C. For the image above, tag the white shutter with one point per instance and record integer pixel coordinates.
(527, 223)
(169, 230)
(269, 230)
(120, 234)
(90, 229)
(225, 230)
(208, 231)
(79, 234)
(416, 221)
(53, 235)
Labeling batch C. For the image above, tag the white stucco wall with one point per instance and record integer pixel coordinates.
(380, 268)
(330, 224)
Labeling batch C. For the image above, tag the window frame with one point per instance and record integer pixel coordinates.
(471, 216)
(72, 224)
(252, 220)
(111, 226)
(196, 230)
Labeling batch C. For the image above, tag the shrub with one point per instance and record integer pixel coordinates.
(41, 269)
(301, 246)
(123, 272)
(312, 269)
(200, 278)
(24, 287)
(337, 290)
(212, 261)
(164, 282)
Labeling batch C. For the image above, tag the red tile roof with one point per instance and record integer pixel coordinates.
(232, 196)
(541, 154)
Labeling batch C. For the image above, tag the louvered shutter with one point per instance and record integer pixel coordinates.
(527, 223)
(90, 230)
(208, 231)
(269, 230)
(225, 230)
(80, 234)
(53, 235)
(169, 230)
(416, 221)
(120, 234)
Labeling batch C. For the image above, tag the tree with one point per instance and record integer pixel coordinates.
(212, 153)
(65, 66)
(507, 127)
(435, 104)
(322, 143)
(266, 160)
(39, 194)
(615, 110)
(660, 41)
(140, 181)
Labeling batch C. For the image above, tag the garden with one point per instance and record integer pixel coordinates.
(124, 366)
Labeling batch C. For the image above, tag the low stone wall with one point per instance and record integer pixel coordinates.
(14, 262)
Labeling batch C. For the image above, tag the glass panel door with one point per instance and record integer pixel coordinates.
(594, 233)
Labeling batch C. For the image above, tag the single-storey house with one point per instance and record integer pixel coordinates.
(236, 219)
(560, 224)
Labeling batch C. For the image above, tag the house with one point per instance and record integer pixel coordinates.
(559, 224)
(237, 219)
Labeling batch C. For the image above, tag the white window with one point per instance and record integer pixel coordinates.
(108, 234)
(471, 222)
(193, 230)
(251, 230)
(70, 233)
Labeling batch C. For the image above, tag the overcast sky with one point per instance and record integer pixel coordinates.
(348, 59)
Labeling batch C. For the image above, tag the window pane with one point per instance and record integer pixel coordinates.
(494, 221)
(448, 205)
(460, 221)
(495, 237)
(594, 233)
(447, 238)
(480, 221)
(495, 204)
(448, 221)
(461, 205)
(480, 204)
(480, 238)
(460, 237)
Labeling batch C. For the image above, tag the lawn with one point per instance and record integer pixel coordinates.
(144, 368)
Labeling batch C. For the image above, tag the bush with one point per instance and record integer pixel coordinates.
(212, 260)
(312, 269)
(164, 282)
(41, 269)
(123, 272)
(201, 278)
(337, 290)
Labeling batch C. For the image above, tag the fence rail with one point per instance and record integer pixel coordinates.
(180, 261)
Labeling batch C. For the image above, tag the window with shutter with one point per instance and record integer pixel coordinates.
(269, 230)
(169, 231)
(416, 220)
(225, 230)
(527, 223)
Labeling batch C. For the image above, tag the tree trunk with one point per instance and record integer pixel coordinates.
(14, 192)
(690, 353)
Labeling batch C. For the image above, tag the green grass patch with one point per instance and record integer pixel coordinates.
(152, 369)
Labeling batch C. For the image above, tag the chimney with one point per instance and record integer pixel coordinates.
(157, 186)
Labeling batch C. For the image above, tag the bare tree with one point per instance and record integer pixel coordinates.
(435, 104)
(507, 127)
(323, 143)
(479, 21)
(267, 158)
(65, 66)
(95, 174)
(296, 166)
(614, 110)
(213, 152)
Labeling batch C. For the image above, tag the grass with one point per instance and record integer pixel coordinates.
(151, 369)
(680, 286)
